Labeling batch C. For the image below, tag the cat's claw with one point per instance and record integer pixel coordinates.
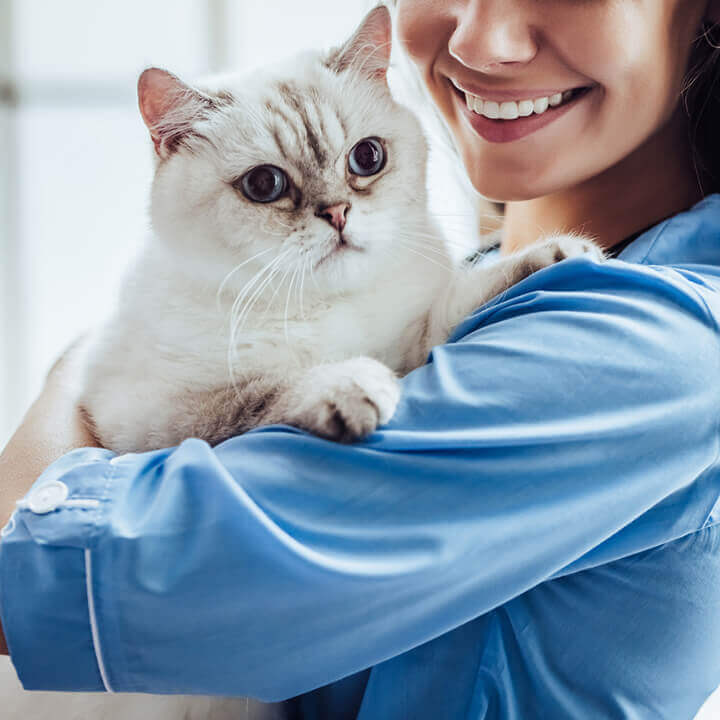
(557, 248)
(346, 401)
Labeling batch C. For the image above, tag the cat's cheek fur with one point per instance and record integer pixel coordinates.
(185, 200)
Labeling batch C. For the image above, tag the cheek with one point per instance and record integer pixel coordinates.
(637, 54)
(423, 28)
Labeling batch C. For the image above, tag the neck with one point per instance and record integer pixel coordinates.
(656, 181)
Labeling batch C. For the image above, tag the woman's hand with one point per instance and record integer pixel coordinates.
(52, 426)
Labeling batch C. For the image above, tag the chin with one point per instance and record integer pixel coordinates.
(505, 187)
(505, 193)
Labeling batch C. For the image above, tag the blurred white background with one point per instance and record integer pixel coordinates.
(75, 161)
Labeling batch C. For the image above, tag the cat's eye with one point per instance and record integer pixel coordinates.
(264, 184)
(367, 157)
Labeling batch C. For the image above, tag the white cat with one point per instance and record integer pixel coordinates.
(292, 273)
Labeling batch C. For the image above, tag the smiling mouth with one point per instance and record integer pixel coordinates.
(514, 109)
(508, 121)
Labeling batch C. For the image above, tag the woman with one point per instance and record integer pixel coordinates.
(536, 534)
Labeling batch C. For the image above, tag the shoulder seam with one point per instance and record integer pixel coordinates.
(658, 235)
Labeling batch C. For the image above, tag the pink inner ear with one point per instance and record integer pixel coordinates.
(369, 48)
(157, 92)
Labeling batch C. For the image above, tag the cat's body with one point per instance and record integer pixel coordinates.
(299, 309)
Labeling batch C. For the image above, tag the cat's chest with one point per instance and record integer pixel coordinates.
(333, 334)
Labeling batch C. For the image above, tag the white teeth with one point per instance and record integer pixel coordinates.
(509, 111)
(526, 108)
(514, 109)
(541, 105)
(491, 110)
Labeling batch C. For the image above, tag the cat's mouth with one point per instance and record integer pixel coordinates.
(342, 245)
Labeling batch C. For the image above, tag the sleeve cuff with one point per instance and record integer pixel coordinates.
(46, 583)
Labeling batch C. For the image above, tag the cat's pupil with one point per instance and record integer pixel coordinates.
(264, 184)
(367, 157)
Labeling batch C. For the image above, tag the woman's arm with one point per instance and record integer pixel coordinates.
(566, 424)
(51, 427)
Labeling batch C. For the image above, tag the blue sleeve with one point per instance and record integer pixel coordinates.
(571, 422)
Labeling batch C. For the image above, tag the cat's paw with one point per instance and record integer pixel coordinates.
(345, 401)
(557, 248)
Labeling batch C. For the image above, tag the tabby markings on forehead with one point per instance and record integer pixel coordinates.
(279, 142)
(286, 122)
(294, 99)
(313, 98)
(319, 102)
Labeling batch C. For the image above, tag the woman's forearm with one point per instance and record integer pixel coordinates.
(52, 426)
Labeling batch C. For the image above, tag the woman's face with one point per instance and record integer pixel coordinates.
(623, 60)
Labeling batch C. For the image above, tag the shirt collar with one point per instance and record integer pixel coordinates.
(691, 237)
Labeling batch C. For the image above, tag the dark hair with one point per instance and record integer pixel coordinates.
(701, 99)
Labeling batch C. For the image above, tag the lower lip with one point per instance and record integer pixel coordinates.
(504, 131)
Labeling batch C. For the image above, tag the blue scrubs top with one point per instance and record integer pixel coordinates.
(535, 534)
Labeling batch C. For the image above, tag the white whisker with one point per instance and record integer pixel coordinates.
(287, 306)
(252, 301)
(237, 312)
(226, 279)
(430, 260)
(274, 295)
(302, 286)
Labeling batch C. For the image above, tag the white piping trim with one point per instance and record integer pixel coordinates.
(9, 527)
(93, 622)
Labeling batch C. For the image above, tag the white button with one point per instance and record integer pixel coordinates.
(115, 460)
(48, 497)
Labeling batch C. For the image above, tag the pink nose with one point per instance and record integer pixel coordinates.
(336, 215)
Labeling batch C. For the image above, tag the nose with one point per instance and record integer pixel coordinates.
(492, 35)
(336, 214)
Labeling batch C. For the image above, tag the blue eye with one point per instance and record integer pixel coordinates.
(264, 184)
(367, 157)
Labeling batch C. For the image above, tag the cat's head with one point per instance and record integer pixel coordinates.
(308, 165)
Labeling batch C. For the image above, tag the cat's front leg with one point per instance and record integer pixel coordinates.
(342, 401)
(472, 287)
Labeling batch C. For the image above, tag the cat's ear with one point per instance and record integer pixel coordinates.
(368, 50)
(169, 108)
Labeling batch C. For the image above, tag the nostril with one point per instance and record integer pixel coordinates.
(335, 214)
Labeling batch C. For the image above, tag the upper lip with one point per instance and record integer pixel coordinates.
(513, 94)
